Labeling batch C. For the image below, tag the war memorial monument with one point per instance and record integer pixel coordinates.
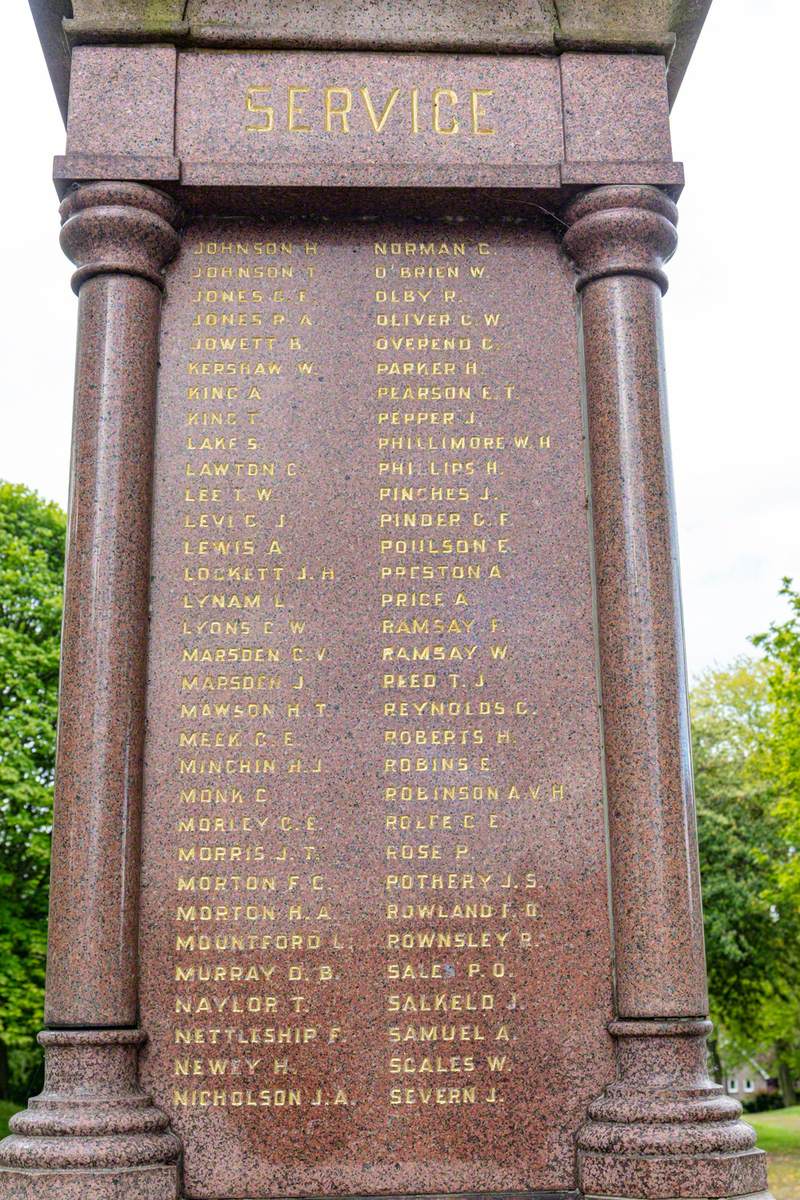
(374, 858)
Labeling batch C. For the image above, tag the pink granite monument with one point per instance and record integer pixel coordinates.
(374, 861)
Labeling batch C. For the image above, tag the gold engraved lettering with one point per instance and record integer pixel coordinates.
(440, 106)
(478, 112)
(294, 111)
(252, 96)
(378, 122)
(450, 96)
(340, 110)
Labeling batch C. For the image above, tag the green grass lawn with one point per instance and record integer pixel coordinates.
(7, 1110)
(778, 1131)
(779, 1134)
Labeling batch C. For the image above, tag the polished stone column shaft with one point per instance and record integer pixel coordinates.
(93, 1134)
(663, 1128)
(620, 238)
(119, 236)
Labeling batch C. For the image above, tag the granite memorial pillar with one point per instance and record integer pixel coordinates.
(93, 1130)
(655, 1127)
(356, 890)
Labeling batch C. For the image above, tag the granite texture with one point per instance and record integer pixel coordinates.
(616, 18)
(618, 1107)
(615, 108)
(145, 12)
(121, 100)
(588, 114)
(109, 1183)
(557, 994)
(72, 169)
(119, 237)
(620, 239)
(663, 1129)
(706, 1175)
(669, 177)
(669, 29)
(444, 24)
(213, 123)
(48, 17)
(119, 229)
(663, 1102)
(233, 114)
(94, 1134)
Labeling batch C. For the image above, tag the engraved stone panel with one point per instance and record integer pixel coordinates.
(375, 937)
(284, 107)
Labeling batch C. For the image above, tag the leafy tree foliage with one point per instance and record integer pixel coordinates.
(752, 939)
(781, 648)
(32, 537)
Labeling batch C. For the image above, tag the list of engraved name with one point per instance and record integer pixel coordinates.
(354, 718)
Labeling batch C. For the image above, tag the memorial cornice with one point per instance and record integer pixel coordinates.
(515, 134)
(546, 27)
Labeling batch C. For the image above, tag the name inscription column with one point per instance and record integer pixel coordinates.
(462, 892)
(254, 901)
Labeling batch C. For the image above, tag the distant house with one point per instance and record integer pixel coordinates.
(748, 1080)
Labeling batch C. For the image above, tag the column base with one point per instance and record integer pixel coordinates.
(92, 1134)
(136, 1183)
(664, 1130)
(673, 1177)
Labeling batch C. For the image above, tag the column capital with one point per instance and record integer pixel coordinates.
(119, 228)
(621, 230)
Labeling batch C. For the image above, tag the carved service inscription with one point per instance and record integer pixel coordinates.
(331, 109)
(302, 107)
(375, 877)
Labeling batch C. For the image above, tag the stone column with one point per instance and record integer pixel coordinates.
(664, 1128)
(93, 1134)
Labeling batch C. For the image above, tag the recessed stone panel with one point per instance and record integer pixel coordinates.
(361, 109)
(375, 936)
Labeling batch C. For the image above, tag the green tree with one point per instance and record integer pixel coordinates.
(781, 648)
(32, 536)
(752, 934)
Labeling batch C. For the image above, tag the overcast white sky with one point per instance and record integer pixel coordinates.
(730, 312)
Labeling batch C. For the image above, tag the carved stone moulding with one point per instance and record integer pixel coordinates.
(118, 228)
(621, 231)
(665, 1129)
(660, 27)
(92, 1134)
